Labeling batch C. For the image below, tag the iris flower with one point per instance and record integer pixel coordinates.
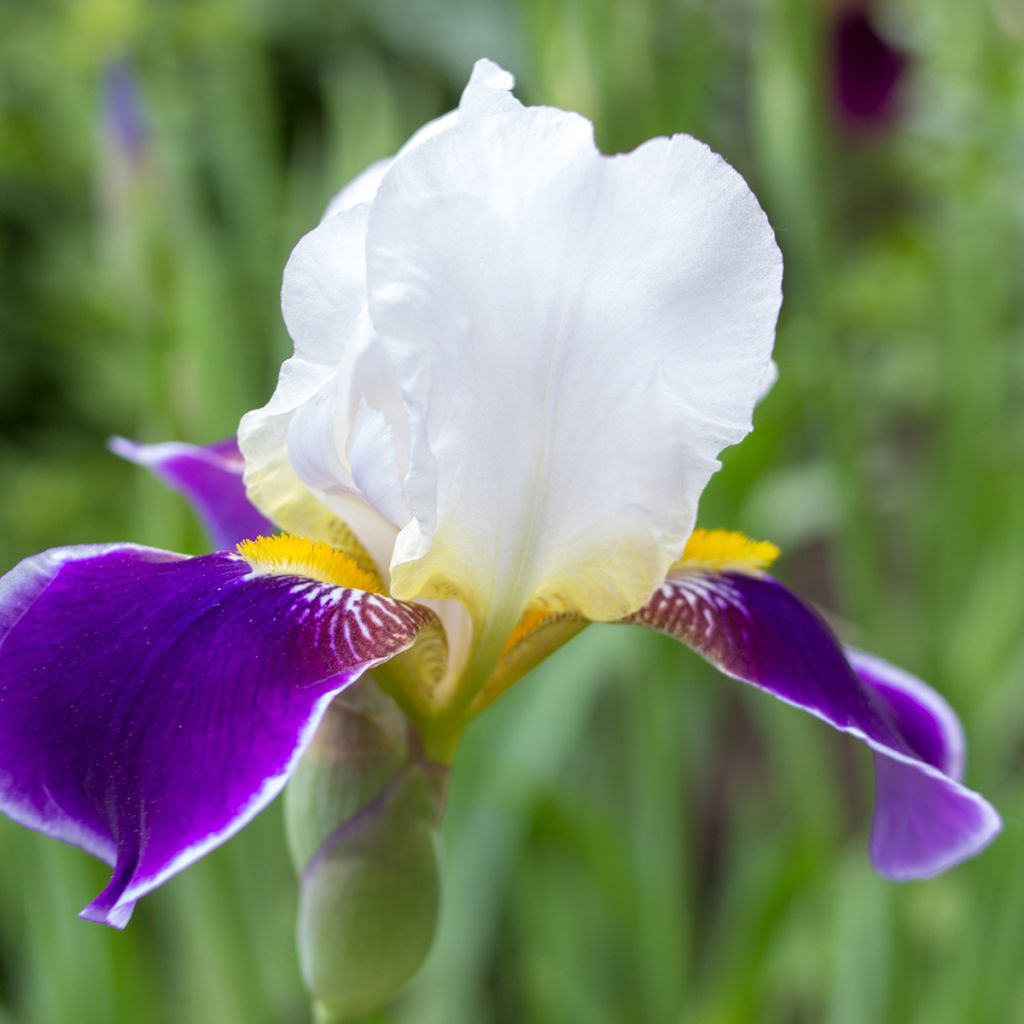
(516, 362)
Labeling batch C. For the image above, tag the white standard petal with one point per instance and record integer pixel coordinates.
(576, 337)
(373, 461)
(294, 447)
(487, 92)
(361, 189)
(299, 447)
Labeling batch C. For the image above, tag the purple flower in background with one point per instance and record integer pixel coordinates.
(516, 362)
(867, 68)
(122, 112)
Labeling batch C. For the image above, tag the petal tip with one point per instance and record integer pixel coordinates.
(491, 75)
(115, 915)
(974, 838)
(123, 447)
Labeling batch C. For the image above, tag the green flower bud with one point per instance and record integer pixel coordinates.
(362, 812)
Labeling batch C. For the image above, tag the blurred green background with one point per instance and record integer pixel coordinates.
(631, 838)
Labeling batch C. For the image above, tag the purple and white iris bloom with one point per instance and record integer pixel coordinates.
(516, 362)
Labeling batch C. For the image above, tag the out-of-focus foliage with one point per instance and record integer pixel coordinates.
(630, 838)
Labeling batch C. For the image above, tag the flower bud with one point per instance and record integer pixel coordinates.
(362, 812)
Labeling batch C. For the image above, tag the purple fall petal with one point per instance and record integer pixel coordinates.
(210, 477)
(152, 704)
(924, 719)
(755, 630)
(934, 733)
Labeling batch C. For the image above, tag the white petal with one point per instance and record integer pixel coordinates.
(374, 464)
(324, 289)
(294, 446)
(300, 447)
(771, 375)
(576, 338)
(487, 92)
(361, 189)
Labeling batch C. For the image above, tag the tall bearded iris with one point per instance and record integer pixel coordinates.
(516, 362)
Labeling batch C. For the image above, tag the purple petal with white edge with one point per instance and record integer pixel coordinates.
(934, 732)
(927, 722)
(152, 704)
(755, 630)
(210, 477)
